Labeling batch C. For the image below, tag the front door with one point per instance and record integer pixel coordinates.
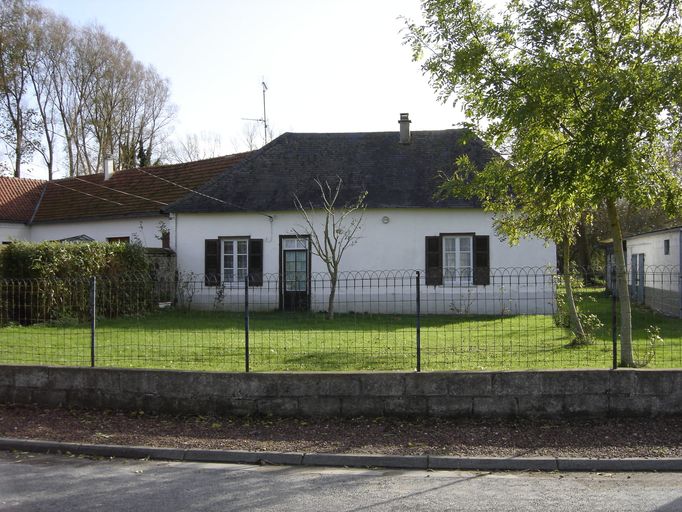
(295, 272)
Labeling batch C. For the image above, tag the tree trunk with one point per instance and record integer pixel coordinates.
(20, 144)
(626, 357)
(575, 324)
(585, 252)
(332, 293)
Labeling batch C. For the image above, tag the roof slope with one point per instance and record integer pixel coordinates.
(394, 175)
(18, 198)
(130, 192)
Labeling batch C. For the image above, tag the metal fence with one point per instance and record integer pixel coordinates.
(388, 320)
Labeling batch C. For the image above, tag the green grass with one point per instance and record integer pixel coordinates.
(307, 342)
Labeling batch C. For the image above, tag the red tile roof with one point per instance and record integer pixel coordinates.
(130, 192)
(18, 198)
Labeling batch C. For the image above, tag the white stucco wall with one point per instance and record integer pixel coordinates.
(396, 245)
(12, 231)
(399, 244)
(146, 229)
(651, 245)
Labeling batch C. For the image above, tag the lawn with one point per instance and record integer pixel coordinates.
(308, 342)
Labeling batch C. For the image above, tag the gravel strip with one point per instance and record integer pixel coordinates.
(605, 439)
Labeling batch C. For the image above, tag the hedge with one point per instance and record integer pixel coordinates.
(50, 281)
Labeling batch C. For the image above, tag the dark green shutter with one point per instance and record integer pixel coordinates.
(212, 262)
(482, 260)
(255, 262)
(434, 258)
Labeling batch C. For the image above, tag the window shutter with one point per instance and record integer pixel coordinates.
(256, 262)
(212, 262)
(482, 260)
(434, 265)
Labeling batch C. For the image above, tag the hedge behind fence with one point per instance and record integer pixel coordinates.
(50, 281)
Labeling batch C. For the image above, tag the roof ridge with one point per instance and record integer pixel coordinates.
(14, 178)
(163, 167)
(382, 132)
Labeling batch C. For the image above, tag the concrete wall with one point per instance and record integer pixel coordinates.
(453, 394)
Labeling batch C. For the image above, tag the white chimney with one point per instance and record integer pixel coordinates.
(108, 167)
(405, 128)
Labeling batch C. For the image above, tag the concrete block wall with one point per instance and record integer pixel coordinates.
(555, 394)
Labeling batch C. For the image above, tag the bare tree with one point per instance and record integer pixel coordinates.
(195, 146)
(76, 89)
(337, 232)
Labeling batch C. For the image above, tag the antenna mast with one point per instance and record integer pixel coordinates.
(263, 119)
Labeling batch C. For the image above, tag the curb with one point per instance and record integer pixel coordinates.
(424, 462)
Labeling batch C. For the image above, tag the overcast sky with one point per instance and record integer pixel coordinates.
(330, 65)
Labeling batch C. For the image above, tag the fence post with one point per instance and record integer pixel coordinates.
(614, 320)
(419, 340)
(93, 318)
(246, 323)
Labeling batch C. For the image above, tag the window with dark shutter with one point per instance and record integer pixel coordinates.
(255, 262)
(482, 260)
(212, 262)
(434, 268)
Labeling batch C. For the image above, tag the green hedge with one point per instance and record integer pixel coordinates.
(50, 281)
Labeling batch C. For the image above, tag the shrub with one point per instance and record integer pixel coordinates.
(50, 281)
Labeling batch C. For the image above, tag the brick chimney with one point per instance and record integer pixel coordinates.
(108, 167)
(404, 123)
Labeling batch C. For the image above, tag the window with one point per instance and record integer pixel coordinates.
(457, 260)
(666, 247)
(120, 239)
(235, 260)
(232, 259)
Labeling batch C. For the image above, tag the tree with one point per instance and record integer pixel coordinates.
(18, 125)
(78, 85)
(592, 87)
(338, 232)
(525, 211)
(195, 146)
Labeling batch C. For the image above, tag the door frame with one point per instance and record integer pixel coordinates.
(282, 270)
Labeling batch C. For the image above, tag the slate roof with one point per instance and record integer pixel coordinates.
(18, 198)
(129, 192)
(394, 175)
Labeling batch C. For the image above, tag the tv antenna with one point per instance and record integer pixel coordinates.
(263, 119)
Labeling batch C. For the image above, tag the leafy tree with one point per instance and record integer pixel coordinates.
(18, 124)
(338, 230)
(582, 96)
(527, 210)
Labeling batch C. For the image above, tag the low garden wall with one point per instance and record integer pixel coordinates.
(453, 394)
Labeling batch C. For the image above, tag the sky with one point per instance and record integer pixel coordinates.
(329, 65)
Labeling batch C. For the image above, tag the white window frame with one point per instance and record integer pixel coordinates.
(236, 279)
(456, 275)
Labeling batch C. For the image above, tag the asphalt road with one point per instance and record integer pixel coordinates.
(62, 483)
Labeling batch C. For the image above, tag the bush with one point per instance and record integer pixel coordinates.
(50, 281)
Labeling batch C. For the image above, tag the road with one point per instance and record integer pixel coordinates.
(62, 483)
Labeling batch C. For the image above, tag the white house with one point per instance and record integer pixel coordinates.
(245, 223)
(654, 259)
